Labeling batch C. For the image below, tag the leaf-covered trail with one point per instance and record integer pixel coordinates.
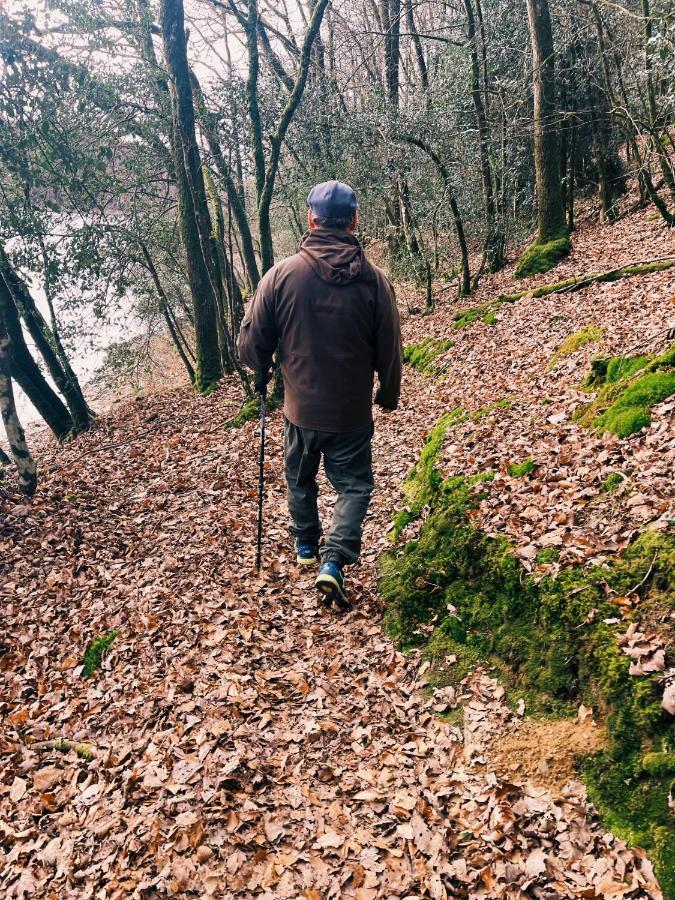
(246, 743)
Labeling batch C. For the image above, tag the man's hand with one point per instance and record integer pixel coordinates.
(388, 407)
(261, 381)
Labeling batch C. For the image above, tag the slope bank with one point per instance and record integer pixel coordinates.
(536, 532)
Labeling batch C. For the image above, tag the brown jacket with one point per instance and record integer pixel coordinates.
(332, 316)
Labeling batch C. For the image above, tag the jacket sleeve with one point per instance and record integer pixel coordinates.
(258, 336)
(388, 348)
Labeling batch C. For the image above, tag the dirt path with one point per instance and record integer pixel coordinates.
(245, 743)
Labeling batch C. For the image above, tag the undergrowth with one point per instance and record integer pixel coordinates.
(627, 389)
(521, 469)
(612, 482)
(456, 590)
(486, 312)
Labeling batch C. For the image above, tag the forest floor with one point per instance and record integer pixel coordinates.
(238, 740)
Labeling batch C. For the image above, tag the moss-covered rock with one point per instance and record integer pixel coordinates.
(540, 258)
(627, 389)
(630, 412)
(423, 355)
(456, 590)
(633, 803)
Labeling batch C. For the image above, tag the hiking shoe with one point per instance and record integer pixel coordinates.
(307, 554)
(330, 581)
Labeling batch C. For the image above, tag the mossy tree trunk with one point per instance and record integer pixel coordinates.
(21, 455)
(195, 224)
(25, 371)
(551, 223)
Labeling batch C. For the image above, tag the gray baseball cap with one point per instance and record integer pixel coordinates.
(332, 200)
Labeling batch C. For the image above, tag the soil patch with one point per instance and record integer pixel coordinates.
(547, 753)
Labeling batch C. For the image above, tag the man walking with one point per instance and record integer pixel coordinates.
(332, 317)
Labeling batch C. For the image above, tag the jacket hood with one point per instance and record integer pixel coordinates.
(336, 256)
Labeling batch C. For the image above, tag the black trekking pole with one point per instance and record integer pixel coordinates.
(261, 479)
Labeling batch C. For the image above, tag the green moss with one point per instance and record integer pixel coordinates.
(250, 410)
(634, 805)
(479, 414)
(575, 342)
(84, 751)
(484, 312)
(613, 481)
(422, 356)
(448, 641)
(424, 479)
(659, 763)
(627, 389)
(519, 470)
(647, 268)
(456, 590)
(630, 412)
(96, 651)
(545, 289)
(546, 556)
(540, 258)
(621, 367)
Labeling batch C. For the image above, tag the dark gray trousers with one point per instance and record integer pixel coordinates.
(347, 460)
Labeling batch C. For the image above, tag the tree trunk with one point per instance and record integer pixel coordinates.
(550, 204)
(495, 241)
(233, 197)
(25, 370)
(465, 280)
(166, 310)
(417, 44)
(279, 134)
(656, 123)
(195, 226)
(65, 380)
(392, 51)
(15, 435)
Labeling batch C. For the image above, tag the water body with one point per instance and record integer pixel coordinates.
(95, 336)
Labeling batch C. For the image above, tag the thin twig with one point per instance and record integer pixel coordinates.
(649, 572)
